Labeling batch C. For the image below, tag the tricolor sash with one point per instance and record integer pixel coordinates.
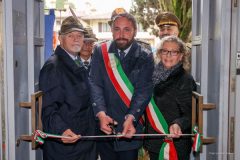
(159, 124)
(125, 89)
(117, 76)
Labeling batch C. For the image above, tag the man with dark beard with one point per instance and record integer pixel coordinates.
(66, 108)
(122, 10)
(121, 88)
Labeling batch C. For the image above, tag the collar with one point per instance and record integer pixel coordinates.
(72, 56)
(83, 60)
(126, 50)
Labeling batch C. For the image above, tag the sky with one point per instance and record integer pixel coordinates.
(101, 5)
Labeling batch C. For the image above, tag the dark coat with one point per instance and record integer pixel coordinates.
(66, 105)
(138, 66)
(174, 99)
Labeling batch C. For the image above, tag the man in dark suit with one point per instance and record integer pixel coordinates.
(109, 106)
(66, 101)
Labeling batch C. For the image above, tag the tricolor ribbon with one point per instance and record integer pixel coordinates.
(39, 136)
(197, 140)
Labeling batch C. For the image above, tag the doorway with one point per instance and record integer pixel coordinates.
(234, 90)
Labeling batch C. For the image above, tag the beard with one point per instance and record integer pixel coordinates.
(76, 48)
(123, 43)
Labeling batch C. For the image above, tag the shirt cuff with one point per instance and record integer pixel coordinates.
(134, 119)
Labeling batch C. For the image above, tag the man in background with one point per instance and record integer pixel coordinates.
(169, 24)
(87, 49)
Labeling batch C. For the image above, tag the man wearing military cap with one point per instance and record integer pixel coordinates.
(66, 99)
(116, 112)
(168, 24)
(87, 49)
(115, 13)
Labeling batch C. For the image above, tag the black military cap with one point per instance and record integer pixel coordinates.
(90, 36)
(71, 24)
(167, 18)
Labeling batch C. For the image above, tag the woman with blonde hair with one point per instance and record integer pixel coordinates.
(172, 94)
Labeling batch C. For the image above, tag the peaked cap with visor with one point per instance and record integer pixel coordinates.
(167, 18)
(121, 12)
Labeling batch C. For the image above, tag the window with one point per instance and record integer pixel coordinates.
(103, 27)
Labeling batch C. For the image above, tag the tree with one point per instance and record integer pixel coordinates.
(146, 11)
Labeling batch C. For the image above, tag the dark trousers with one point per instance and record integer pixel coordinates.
(106, 151)
(153, 156)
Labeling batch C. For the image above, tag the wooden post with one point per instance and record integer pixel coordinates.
(197, 116)
(36, 109)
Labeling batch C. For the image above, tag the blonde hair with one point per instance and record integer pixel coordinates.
(182, 49)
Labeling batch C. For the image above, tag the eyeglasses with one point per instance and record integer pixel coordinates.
(166, 52)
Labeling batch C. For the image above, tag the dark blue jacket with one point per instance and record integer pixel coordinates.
(138, 66)
(66, 101)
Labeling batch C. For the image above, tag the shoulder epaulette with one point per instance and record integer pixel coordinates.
(188, 45)
(145, 46)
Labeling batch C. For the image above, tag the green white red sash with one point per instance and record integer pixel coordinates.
(125, 90)
(117, 76)
(160, 125)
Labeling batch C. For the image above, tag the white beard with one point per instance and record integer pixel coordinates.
(76, 48)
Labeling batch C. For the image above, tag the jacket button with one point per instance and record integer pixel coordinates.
(94, 104)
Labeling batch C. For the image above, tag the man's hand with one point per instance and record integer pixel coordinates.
(175, 130)
(105, 121)
(72, 137)
(128, 127)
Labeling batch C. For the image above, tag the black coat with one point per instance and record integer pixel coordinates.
(66, 105)
(138, 66)
(174, 99)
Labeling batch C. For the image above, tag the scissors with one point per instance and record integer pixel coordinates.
(113, 127)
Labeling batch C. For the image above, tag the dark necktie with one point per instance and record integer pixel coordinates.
(121, 55)
(78, 62)
(86, 63)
